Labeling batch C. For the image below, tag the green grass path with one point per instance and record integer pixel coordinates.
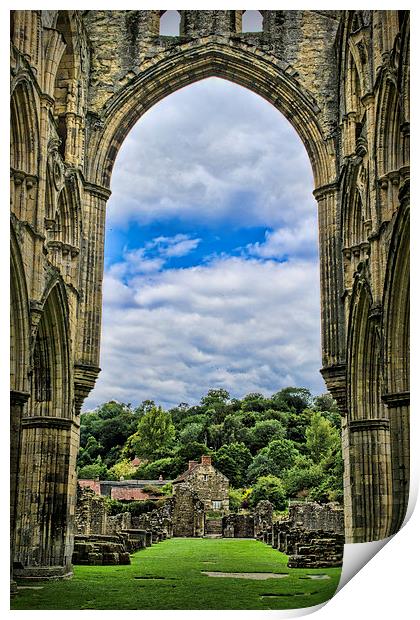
(180, 562)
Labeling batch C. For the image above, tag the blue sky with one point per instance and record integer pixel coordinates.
(211, 265)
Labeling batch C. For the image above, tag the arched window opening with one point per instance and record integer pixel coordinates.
(42, 370)
(24, 136)
(252, 21)
(65, 89)
(170, 24)
(50, 361)
(213, 211)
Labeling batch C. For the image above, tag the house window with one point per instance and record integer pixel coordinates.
(205, 477)
(217, 504)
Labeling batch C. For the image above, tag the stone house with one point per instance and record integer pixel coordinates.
(209, 484)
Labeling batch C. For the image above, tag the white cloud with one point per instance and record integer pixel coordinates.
(215, 155)
(213, 151)
(300, 240)
(246, 325)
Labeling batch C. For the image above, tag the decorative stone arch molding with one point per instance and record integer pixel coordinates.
(396, 379)
(189, 64)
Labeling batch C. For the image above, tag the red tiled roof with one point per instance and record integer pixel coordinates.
(95, 485)
(131, 494)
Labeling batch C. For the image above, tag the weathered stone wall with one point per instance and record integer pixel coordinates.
(312, 535)
(79, 82)
(159, 521)
(188, 514)
(238, 526)
(90, 515)
(263, 517)
(313, 516)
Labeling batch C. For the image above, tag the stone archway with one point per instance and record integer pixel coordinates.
(256, 72)
(316, 68)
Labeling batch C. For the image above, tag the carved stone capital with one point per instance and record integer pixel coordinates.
(335, 380)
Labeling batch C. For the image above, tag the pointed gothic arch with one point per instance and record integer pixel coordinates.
(47, 459)
(188, 66)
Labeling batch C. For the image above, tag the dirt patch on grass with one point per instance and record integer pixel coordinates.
(317, 577)
(246, 575)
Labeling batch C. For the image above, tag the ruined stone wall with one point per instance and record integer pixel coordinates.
(159, 520)
(188, 513)
(263, 517)
(312, 535)
(238, 526)
(313, 516)
(79, 82)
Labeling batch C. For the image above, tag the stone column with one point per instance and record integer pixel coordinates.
(46, 503)
(370, 478)
(18, 401)
(398, 406)
(90, 310)
(332, 309)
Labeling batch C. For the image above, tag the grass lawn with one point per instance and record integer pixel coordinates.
(171, 578)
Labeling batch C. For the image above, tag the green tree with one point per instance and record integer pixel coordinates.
(274, 459)
(169, 468)
(321, 437)
(191, 452)
(93, 471)
(122, 469)
(233, 461)
(254, 402)
(302, 477)
(192, 432)
(235, 499)
(325, 402)
(296, 399)
(155, 433)
(271, 489)
(263, 432)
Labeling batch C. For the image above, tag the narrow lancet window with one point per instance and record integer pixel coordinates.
(170, 24)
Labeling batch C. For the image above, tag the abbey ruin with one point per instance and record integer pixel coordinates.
(80, 80)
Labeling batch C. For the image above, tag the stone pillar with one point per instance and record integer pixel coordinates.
(18, 401)
(368, 508)
(332, 316)
(398, 406)
(46, 503)
(90, 311)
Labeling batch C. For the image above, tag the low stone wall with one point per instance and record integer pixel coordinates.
(101, 538)
(312, 536)
(99, 550)
(238, 526)
(135, 539)
(313, 549)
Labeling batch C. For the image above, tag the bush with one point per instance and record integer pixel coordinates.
(91, 472)
(168, 468)
(235, 499)
(302, 476)
(271, 489)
